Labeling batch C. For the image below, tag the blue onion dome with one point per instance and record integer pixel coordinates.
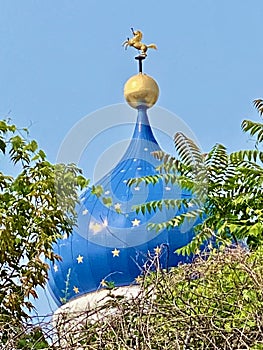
(112, 244)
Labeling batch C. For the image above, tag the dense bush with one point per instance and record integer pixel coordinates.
(214, 303)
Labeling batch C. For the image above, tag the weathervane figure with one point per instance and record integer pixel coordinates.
(137, 44)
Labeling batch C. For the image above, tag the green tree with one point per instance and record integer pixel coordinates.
(227, 189)
(36, 208)
(255, 128)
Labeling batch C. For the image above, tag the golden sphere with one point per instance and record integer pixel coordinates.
(141, 90)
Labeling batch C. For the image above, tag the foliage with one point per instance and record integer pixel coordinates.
(214, 303)
(36, 208)
(258, 103)
(227, 190)
(252, 127)
(34, 340)
(25, 336)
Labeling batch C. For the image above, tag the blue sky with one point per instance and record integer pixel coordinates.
(62, 60)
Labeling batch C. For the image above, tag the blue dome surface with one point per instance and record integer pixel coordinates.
(112, 244)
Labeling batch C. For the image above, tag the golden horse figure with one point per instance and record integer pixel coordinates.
(137, 44)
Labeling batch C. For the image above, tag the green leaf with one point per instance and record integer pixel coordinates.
(107, 201)
(2, 145)
(97, 190)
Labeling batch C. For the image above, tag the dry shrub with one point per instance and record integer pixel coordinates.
(214, 303)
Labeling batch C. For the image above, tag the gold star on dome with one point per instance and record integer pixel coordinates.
(138, 279)
(115, 252)
(95, 227)
(103, 283)
(198, 251)
(157, 250)
(76, 290)
(80, 259)
(117, 207)
(135, 222)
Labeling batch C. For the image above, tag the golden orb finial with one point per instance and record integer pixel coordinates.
(141, 90)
